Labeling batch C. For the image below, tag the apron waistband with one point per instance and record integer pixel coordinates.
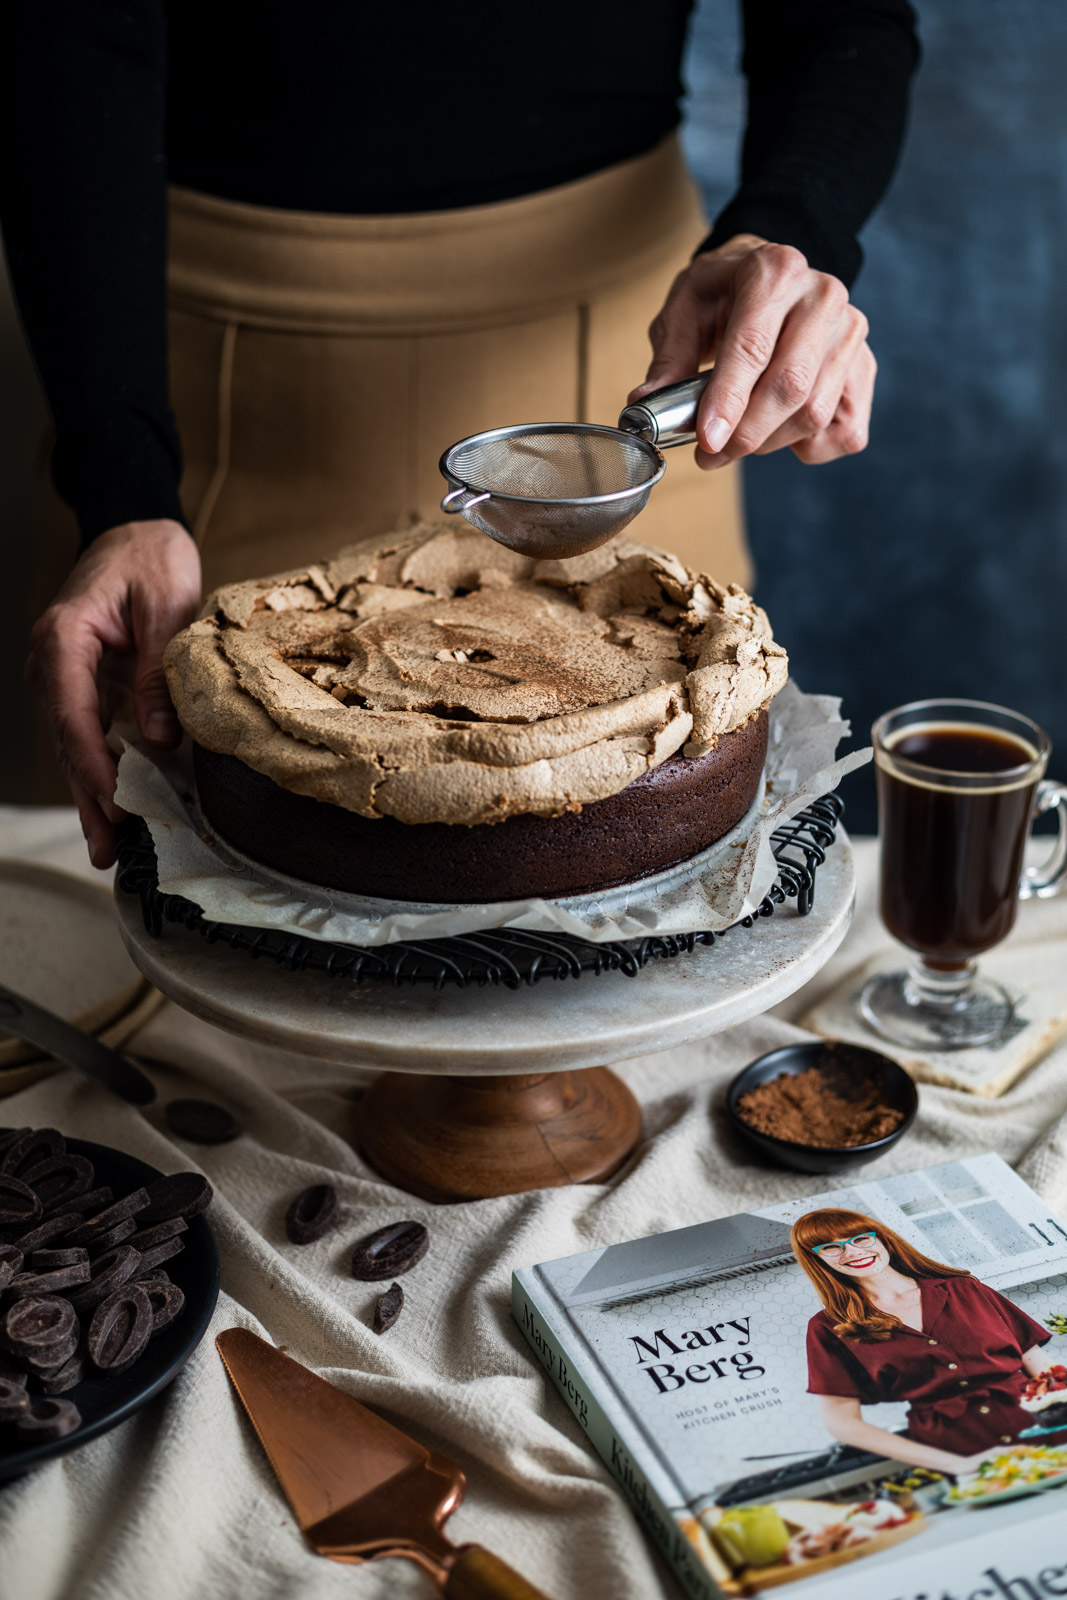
(432, 272)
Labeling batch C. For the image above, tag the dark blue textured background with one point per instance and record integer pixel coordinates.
(936, 562)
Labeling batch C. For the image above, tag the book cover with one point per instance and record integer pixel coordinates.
(870, 1383)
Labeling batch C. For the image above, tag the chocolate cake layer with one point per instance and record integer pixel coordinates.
(664, 816)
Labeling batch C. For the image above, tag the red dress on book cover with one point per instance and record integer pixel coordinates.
(961, 1375)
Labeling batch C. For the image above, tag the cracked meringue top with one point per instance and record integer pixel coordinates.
(434, 676)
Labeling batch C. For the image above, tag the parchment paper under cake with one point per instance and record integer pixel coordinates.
(711, 891)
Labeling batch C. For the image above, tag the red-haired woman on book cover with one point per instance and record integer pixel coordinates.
(896, 1325)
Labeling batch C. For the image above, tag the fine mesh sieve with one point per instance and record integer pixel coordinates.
(550, 488)
(558, 489)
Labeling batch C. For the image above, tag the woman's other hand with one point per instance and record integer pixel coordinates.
(134, 588)
(792, 363)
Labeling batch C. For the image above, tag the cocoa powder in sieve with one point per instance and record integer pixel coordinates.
(818, 1107)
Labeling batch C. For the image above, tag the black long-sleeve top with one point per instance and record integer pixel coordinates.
(349, 107)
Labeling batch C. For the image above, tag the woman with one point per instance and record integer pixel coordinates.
(388, 227)
(896, 1325)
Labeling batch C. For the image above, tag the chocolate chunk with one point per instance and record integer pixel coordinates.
(160, 1252)
(181, 1194)
(166, 1300)
(88, 1204)
(201, 1122)
(388, 1309)
(50, 1419)
(55, 1282)
(157, 1275)
(68, 1376)
(8, 1137)
(13, 1400)
(10, 1264)
(120, 1329)
(48, 1260)
(148, 1238)
(389, 1251)
(117, 1235)
(312, 1214)
(31, 1146)
(19, 1206)
(108, 1273)
(59, 1179)
(37, 1324)
(56, 1227)
(109, 1218)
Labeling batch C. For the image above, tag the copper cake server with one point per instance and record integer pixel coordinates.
(358, 1487)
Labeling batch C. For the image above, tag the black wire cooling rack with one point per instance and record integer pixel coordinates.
(500, 956)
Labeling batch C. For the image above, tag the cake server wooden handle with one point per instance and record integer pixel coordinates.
(477, 1574)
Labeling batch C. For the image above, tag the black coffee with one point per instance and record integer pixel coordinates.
(952, 858)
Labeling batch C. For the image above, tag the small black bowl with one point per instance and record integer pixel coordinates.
(856, 1064)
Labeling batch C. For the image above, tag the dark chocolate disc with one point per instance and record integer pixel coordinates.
(108, 1273)
(37, 1324)
(59, 1180)
(312, 1214)
(54, 1227)
(50, 1419)
(68, 1376)
(49, 1361)
(109, 1218)
(101, 1242)
(201, 1122)
(57, 1281)
(388, 1309)
(148, 1238)
(166, 1299)
(19, 1206)
(389, 1251)
(88, 1204)
(180, 1194)
(31, 1146)
(160, 1253)
(120, 1329)
(49, 1260)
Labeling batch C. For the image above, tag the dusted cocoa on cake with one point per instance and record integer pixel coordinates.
(663, 817)
(431, 716)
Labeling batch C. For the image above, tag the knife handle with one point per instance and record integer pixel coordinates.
(477, 1574)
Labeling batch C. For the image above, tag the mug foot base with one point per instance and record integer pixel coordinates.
(978, 1016)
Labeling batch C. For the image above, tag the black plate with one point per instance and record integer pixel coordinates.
(105, 1402)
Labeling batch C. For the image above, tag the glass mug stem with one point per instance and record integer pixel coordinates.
(947, 988)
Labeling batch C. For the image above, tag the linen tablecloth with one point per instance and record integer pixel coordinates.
(179, 1502)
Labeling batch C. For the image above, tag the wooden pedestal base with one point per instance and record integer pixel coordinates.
(471, 1138)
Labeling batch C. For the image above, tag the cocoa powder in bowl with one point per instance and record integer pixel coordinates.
(819, 1106)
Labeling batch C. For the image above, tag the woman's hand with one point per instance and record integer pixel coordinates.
(792, 363)
(132, 590)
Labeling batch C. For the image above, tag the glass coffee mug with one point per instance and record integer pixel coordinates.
(959, 782)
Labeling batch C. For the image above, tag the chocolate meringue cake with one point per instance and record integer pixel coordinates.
(431, 717)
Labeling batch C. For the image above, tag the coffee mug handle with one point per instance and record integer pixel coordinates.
(1048, 879)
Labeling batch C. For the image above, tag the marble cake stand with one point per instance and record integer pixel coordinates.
(490, 1091)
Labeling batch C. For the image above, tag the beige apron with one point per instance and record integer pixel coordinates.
(319, 365)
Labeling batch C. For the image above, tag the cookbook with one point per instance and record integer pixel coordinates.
(867, 1384)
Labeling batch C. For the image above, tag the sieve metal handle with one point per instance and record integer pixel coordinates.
(462, 499)
(667, 416)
